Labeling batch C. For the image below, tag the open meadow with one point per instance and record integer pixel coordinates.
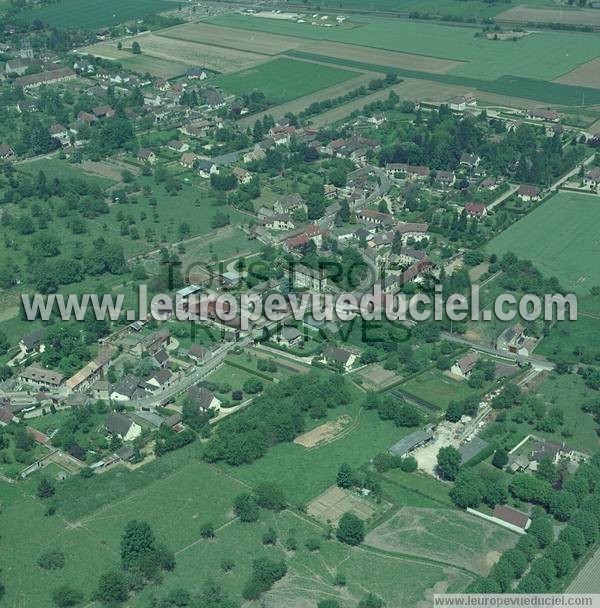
(561, 238)
(93, 14)
(283, 79)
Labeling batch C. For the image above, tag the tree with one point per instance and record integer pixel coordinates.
(45, 488)
(252, 386)
(531, 584)
(270, 496)
(136, 49)
(371, 601)
(544, 569)
(573, 537)
(112, 588)
(265, 572)
(66, 597)
(345, 478)
(269, 537)
(350, 530)
(500, 459)
(137, 542)
(468, 489)
(207, 530)
(561, 556)
(517, 559)
(588, 524)
(562, 505)
(52, 560)
(448, 462)
(328, 603)
(542, 530)
(246, 507)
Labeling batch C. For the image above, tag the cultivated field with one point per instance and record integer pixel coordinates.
(381, 57)
(178, 52)
(549, 54)
(561, 238)
(443, 535)
(283, 79)
(525, 14)
(377, 377)
(587, 75)
(437, 388)
(93, 14)
(588, 578)
(232, 38)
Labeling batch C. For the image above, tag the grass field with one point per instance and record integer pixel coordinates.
(64, 170)
(93, 14)
(561, 238)
(549, 54)
(398, 580)
(443, 535)
(437, 388)
(304, 473)
(283, 79)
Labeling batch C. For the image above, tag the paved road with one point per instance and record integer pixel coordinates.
(536, 362)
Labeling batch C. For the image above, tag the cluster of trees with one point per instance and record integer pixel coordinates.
(540, 560)
(347, 478)
(392, 408)
(276, 416)
(211, 595)
(168, 440)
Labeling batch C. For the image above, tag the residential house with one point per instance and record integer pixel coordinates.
(6, 152)
(465, 365)
(309, 278)
(543, 114)
(7, 416)
(161, 358)
(290, 336)
(256, 154)
(18, 66)
(243, 176)
(126, 389)
(412, 172)
(58, 131)
(511, 339)
(178, 146)
(214, 99)
(199, 353)
(471, 161)
(408, 256)
(205, 399)
(279, 221)
(91, 372)
(156, 341)
(445, 179)
(529, 193)
(32, 81)
(478, 210)
(196, 73)
(187, 160)
(376, 219)
(412, 230)
(32, 342)
(27, 106)
(592, 178)
(289, 203)
(338, 356)
(122, 426)
(146, 155)
(41, 377)
(158, 380)
(101, 389)
(206, 168)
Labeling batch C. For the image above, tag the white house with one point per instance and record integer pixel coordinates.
(123, 427)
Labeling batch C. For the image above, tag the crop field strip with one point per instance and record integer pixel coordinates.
(525, 14)
(587, 75)
(528, 88)
(540, 55)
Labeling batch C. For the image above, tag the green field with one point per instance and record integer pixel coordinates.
(400, 581)
(549, 54)
(53, 167)
(162, 68)
(92, 14)
(306, 473)
(437, 388)
(561, 238)
(443, 535)
(283, 79)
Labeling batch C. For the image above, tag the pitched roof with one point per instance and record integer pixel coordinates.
(201, 395)
(39, 374)
(511, 516)
(118, 424)
(337, 354)
(6, 415)
(127, 386)
(33, 339)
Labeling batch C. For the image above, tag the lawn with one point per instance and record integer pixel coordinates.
(53, 167)
(399, 581)
(306, 473)
(443, 535)
(568, 392)
(403, 486)
(549, 54)
(283, 79)
(437, 388)
(93, 14)
(162, 68)
(561, 238)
